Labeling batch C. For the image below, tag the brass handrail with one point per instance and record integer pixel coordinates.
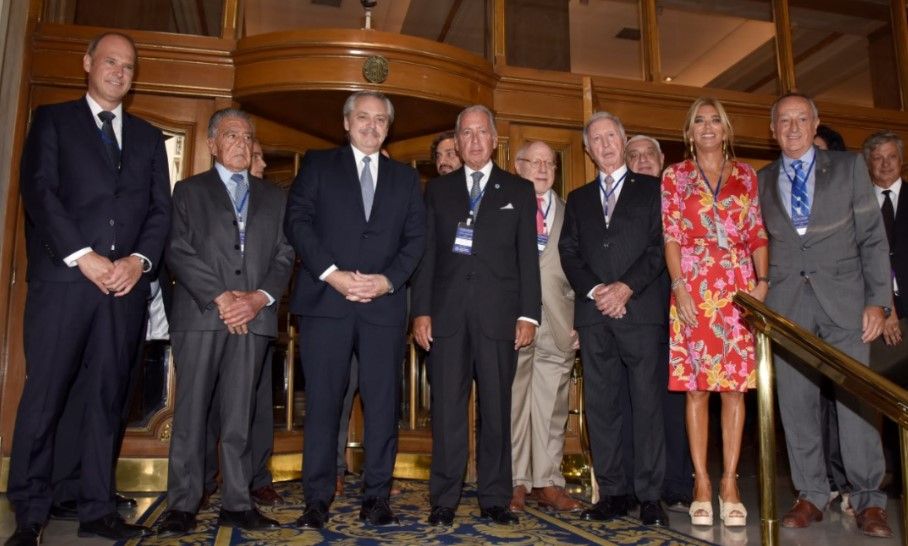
(872, 388)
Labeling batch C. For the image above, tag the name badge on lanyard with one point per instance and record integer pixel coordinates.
(721, 233)
(542, 239)
(463, 237)
(241, 219)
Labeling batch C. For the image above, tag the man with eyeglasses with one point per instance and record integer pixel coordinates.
(539, 393)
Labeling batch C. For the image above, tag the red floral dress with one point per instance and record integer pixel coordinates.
(717, 354)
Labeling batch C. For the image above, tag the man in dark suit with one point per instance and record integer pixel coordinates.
(883, 152)
(94, 183)
(231, 262)
(262, 433)
(828, 272)
(357, 222)
(611, 251)
(476, 301)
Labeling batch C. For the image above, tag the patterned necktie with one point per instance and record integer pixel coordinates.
(609, 205)
(888, 216)
(475, 193)
(800, 207)
(540, 218)
(367, 186)
(109, 137)
(239, 194)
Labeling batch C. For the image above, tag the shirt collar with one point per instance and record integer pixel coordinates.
(616, 174)
(226, 173)
(806, 159)
(358, 156)
(894, 189)
(97, 109)
(486, 171)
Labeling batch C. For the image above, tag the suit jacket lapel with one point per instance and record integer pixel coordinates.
(901, 214)
(350, 178)
(93, 134)
(382, 187)
(782, 208)
(125, 140)
(218, 191)
(821, 192)
(492, 198)
(554, 230)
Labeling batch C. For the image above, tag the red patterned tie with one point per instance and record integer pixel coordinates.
(540, 219)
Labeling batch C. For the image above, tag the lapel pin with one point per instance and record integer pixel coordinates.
(497, 186)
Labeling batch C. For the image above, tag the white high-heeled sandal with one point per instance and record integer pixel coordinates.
(701, 513)
(732, 514)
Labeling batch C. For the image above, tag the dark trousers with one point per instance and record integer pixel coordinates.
(326, 346)
(261, 435)
(454, 362)
(203, 362)
(72, 329)
(608, 352)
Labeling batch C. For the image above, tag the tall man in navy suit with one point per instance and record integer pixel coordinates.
(357, 222)
(611, 251)
(95, 187)
(476, 301)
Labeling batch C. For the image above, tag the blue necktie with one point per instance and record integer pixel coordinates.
(800, 207)
(475, 193)
(367, 186)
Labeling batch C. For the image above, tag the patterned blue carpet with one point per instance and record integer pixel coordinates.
(412, 507)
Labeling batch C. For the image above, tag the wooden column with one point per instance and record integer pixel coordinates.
(499, 31)
(650, 54)
(784, 54)
(900, 41)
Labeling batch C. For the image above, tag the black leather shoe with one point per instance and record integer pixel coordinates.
(651, 513)
(175, 522)
(377, 512)
(677, 503)
(607, 508)
(441, 516)
(124, 502)
(66, 510)
(249, 520)
(499, 515)
(25, 535)
(315, 516)
(112, 526)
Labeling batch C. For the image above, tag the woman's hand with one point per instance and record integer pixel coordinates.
(760, 290)
(687, 312)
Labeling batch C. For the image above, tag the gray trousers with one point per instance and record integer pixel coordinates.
(800, 402)
(204, 361)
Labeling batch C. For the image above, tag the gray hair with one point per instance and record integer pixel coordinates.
(596, 117)
(350, 103)
(225, 113)
(647, 138)
(878, 139)
(775, 105)
(476, 108)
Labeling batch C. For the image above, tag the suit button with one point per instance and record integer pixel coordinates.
(803, 274)
(111, 222)
(605, 245)
(238, 272)
(364, 236)
(236, 247)
(234, 222)
(469, 276)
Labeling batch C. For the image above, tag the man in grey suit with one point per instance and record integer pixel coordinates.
(539, 393)
(231, 262)
(828, 272)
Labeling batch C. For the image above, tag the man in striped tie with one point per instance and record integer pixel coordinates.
(829, 272)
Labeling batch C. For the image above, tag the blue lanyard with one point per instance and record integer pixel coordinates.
(608, 194)
(475, 202)
(239, 210)
(708, 185)
(545, 214)
(806, 174)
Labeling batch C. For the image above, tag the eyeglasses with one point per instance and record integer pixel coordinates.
(538, 163)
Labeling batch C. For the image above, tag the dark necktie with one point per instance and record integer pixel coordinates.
(109, 137)
(367, 186)
(888, 216)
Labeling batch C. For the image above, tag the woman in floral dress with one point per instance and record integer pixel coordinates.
(715, 245)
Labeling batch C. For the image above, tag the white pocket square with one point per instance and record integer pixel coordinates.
(509, 206)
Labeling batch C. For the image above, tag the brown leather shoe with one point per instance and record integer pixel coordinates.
(339, 487)
(801, 515)
(872, 522)
(555, 498)
(519, 499)
(266, 496)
